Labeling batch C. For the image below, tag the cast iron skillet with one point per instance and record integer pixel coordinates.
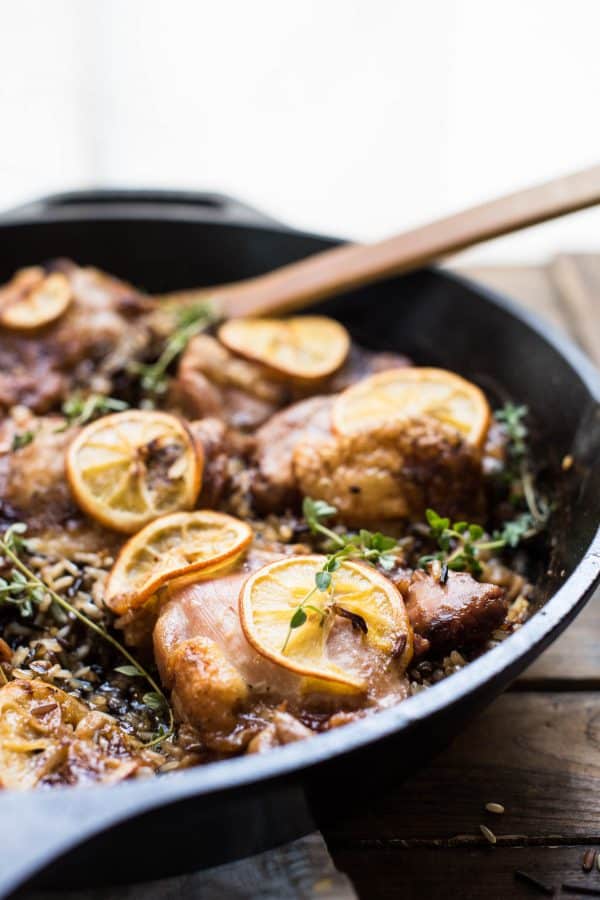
(206, 815)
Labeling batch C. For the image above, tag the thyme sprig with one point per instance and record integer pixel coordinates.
(372, 547)
(461, 543)
(23, 579)
(190, 321)
(22, 439)
(513, 419)
(79, 409)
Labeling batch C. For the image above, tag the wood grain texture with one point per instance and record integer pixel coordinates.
(538, 754)
(465, 874)
(577, 280)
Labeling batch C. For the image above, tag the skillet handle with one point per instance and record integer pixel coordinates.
(42, 826)
(106, 202)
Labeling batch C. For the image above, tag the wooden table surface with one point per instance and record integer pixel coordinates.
(536, 749)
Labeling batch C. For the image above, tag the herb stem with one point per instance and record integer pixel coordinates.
(97, 629)
(300, 606)
(327, 532)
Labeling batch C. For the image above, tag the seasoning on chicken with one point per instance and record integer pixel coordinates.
(48, 737)
(307, 422)
(395, 471)
(462, 612)
(98, 335)
(217, 677)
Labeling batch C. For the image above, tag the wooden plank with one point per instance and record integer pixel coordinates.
(537, 754)
(467, 874)
(576, 278)
(573, 661)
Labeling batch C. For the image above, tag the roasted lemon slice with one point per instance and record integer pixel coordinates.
(32, 300)
(412, 393)
(131, 467)
(171, 547)
(306, 347)
(342, 635)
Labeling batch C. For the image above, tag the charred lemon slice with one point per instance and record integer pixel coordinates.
(412, 393)
(171, 547)
(306, 347)
(342, 636)
(127, 469)
(32, 300)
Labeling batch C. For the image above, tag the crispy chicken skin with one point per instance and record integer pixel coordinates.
(34, 488)
(460, 613)
(216, 445)
(393, 472)
(47, 737)
(101, 331)
(307, 422)
(215, 675)
(213, 381)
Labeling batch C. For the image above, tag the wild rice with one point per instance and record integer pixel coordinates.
(488, 834)
(496, 808)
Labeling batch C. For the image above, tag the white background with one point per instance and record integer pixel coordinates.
(356, 118)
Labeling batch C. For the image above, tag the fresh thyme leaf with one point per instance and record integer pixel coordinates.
(13, 537)
(154, 700)
(512, 418)
(190, 321)
(21, 440)
(132, 671)
(513, 532)
(461, 543)
(79, 409)
(323, 580)
(314, 511)
(298, 619)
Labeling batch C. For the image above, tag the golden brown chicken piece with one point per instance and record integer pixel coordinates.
(458, 613)
(308, 422)
(102, 330)
(396, 471)
(213, 381)
(34, 488)
(217, 679)
(49, 737)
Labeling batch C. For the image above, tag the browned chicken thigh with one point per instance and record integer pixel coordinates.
(102, 330)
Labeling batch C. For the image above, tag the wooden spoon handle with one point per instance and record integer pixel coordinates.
(352, 265)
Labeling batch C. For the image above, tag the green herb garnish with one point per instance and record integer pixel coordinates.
(190, 321)
(22, 440)
(513, 417)
(461, 543)
(373, 547)
(519, 474)
(26, 588)
(80, 409)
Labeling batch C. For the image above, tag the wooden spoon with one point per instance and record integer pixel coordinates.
(342, 268)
